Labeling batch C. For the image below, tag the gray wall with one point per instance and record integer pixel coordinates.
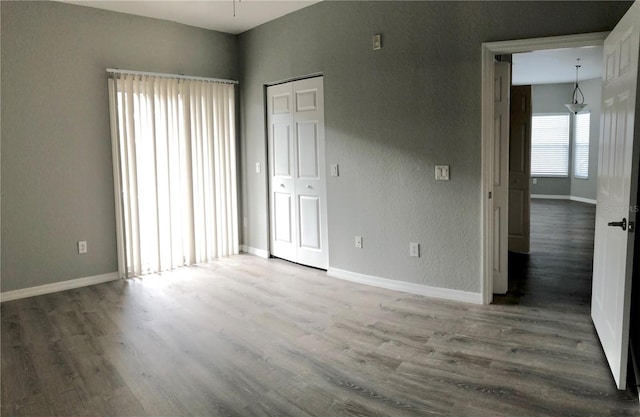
(588, 188)
(551, 98)
(391, 115)
(57, 185)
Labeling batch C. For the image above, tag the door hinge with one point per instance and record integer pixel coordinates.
(489, 195)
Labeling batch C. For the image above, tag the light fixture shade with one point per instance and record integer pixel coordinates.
(575, 107)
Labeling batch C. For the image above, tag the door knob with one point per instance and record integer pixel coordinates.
(282, 185)
(308, 186)
(622, 224)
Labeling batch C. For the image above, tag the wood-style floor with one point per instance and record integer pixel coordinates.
(245, 336)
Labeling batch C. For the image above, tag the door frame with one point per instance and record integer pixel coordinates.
(267, 165)
(489, 51)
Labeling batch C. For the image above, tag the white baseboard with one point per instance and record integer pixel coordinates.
(57, 286)
(550, 196)
(564, 197)
(253, 251)
(583, 200)
(391, 284)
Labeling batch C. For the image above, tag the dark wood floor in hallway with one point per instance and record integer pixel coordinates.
(245, 336)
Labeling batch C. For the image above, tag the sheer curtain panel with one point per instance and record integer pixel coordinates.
(174, 157)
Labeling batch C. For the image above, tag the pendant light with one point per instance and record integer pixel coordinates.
(577, 100)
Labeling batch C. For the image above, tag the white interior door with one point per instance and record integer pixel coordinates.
(282, 194)
(500, 181)
(519, 168)
(617, 185)
(297, 169)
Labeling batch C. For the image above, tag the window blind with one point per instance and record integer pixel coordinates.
(174, 154)
(581, 161)
(550, 145)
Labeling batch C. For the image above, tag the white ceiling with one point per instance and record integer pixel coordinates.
(207, 14)
(557, 65)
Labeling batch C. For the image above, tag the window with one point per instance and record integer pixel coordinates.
(174, 150)
(550, 145)
(581, 162)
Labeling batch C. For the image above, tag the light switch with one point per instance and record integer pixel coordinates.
(377, 42)
(414, 250)
(334, 170)
(442, 172)
(258, 168)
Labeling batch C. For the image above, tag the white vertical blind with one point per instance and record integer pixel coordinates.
(175, 171)
(550, 145)
(582, 133)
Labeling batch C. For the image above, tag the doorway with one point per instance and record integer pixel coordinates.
(552, 176)
(617, 184)
(492, 239)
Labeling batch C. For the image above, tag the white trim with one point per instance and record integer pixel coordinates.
(253, 251)
(488, 52)
(57, 286)
(551, 196)
(583, 200)
(391, 284)
(564, 197)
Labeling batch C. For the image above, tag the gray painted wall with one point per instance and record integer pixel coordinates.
(551, 98)
(588, 188)
(57, 185)
(391, 115)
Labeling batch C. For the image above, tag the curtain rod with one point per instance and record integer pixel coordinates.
(182, 77)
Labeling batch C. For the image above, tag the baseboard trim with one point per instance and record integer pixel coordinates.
(253, 251)
(391, 284)
(583, 200)
(564, 197)
(57, 286)
(550, 196)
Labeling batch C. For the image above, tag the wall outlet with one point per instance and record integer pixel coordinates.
(258, 168)
(535, 180)
(82, 247)
(414, 250)
(359, 242)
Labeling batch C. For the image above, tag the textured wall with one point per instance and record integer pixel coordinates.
(588, 188)
(57, 185)
(391, 115)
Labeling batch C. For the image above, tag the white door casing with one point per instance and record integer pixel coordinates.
(500, 178)
(298, 217)
(617, 193)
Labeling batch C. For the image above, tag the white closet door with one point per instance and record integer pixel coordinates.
(297, 172)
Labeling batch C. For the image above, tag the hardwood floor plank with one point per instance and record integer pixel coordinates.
(245, 336)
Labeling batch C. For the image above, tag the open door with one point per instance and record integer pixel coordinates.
(500, 180)
(519, 168)
(617, 193)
